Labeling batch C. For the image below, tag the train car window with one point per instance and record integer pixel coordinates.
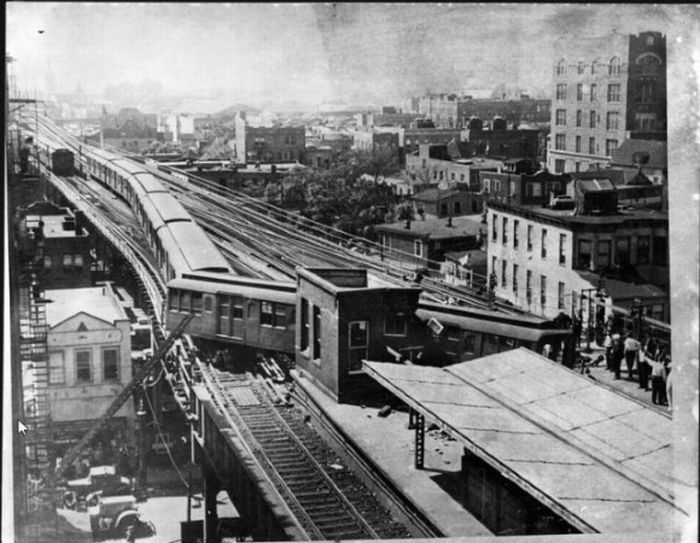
(174, 300)
(185, 301)
(266, 314)
(279, 316)
(395, 325)
(317, 332)
(469, 343)
(238, 310)
(197, 303)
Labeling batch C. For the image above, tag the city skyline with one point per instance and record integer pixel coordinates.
(308, 53)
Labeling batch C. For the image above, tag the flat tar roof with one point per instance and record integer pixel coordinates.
(599, 459)
(95, 301)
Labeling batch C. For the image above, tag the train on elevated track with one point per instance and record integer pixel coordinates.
(262, 314)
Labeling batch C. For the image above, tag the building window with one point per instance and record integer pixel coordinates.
(660, 250)
(603, 253)
(614, 92)
(395, 324)
(594, 67)
(560, 142)
(612, 121)
(82, 366)
(561, 67)
(530, 230)
(458, 208)
(561, 91)
(580, 68)
(47, 263)
(494, 230)
(494, 264)
(57, 368)
(504, 267)
(443, 210)
(516, 227)
(561, 117)
(643, 246)
(584, 254)
(505, 231)
(610, 147)
(515, 280)
(560, 295)
(622, 251)
(304, 324)
(317, 332)
(544, 243)
(358, 332)
(110, 364)
(577, 142)
(579, 92)
(591, 146)
(647, 92)
(559, 165)
(528, 285)
(543, 290)
(577, 166)
(418, 247)
(594, 92)
(579, 118)
(614, 67)
(562, 249)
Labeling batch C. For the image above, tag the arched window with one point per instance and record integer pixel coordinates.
(561, 67)
(649, 63)
(614, 67)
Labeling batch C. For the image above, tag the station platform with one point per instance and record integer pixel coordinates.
(389, 444)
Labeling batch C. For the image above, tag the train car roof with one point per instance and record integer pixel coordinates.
(162, 207)
(505, 410)
(505, 329)
(129, 165)
(250, 292)
(197, 250)
(489, 314)
(149, 182)
(233, 279)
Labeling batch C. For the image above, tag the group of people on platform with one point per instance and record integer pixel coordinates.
(650, 361)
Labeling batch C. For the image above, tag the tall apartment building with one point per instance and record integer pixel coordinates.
(605, 90)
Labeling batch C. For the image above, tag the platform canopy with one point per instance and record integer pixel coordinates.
(599, 459)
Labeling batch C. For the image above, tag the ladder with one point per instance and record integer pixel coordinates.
(73, 453)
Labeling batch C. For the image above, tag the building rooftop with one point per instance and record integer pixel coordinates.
(623, 290)
(627, 152)
(433, 195)
(434, 228)
(100, 302)
(617, 177)
(601, 460)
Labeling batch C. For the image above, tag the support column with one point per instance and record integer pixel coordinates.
(211, 488)
(419, 425)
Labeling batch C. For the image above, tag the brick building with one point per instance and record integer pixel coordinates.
(605, 90)
(342, 320)
(63, 244)
(519, 183)
(269, 144)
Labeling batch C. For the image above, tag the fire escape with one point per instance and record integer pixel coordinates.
(35, 360)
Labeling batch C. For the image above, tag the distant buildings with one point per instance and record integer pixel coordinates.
(269, 144)
(129, 129)
(519, 182)
(605, 91)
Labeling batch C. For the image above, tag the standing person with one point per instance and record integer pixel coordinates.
(630, 354)
(608, 344)
(618, 353)
(669, 387)
(643, 369)
(658, 374)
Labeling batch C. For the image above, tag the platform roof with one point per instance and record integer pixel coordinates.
(576, 446)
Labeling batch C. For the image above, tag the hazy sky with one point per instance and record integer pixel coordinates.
(309, 52)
